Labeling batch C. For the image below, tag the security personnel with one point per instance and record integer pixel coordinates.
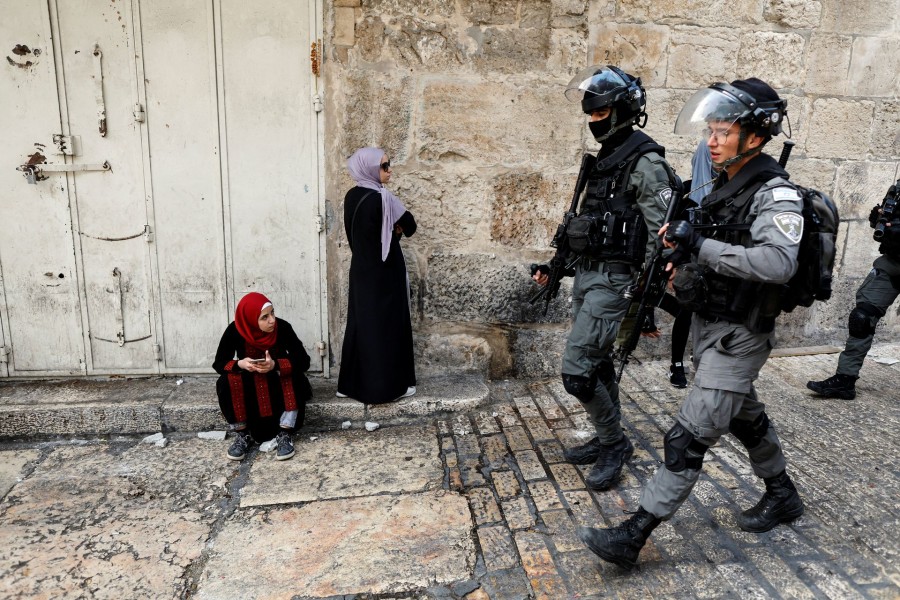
(627, 193)
(876, 294)
(750, 247)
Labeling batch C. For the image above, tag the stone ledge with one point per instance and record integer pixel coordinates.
(31, 409)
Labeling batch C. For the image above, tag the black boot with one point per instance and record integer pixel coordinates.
(584, 454)
(621, 545)
(836, 386)
(609, 464)
(780, 504)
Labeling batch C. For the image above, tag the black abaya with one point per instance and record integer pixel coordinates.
(377, 357)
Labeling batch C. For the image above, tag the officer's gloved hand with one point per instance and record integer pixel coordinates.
(536, 268)
(687, 240)
(874, 215)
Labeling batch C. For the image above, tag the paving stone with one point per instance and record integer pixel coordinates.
(517, 438)
(494, 450)
(567, 477)
(448, 445)
(779, 574)
(86, 508)
(562, 531)
(564, 423)
(452, 460)
(497, 547)
(583, 509)
(549, 407)
(507, 416)
(581, 572)
(484, 507)
(467, 445)
(511, 584)
(538, 429)
(462, 425)
(486, 424)
(444, 427)
(526, 407)
(544, 495)
(470, 469)
(551, 452)
(506, 484)
(12, 463)
(548, 588)
(536, 559)
(529, 465)
(409, 541)
(348, 463)
(517, 513)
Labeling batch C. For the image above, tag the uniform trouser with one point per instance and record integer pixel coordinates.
(878, 290)
(727, 360)
(598, 308)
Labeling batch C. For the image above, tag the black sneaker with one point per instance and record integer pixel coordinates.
(836, 386)
(677, 376)
(238, 449)
(285, 446)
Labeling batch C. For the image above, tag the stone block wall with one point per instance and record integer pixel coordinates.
(466, 97)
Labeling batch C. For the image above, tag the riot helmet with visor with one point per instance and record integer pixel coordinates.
(598, 87)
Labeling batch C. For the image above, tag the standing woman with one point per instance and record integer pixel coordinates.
(377, 359)
(262, 389)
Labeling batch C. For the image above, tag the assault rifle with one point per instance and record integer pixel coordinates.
(888, 208)
(563, 260)
(650, 287)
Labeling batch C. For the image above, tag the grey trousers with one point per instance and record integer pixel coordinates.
(727, 360)
(878, 290)
(598, 308)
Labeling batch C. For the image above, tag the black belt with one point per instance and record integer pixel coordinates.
(607, 267)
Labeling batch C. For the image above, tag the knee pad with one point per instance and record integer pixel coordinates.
(580, 387)
(750, 433)
(862, 320)
(682, 450)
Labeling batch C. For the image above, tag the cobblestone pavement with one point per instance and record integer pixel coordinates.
(117, 518)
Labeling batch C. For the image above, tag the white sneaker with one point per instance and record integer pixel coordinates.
(410, 391)
(340, 395)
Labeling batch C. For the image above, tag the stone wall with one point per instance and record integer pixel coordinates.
(466, 97)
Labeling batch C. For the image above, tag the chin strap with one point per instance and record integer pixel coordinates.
(742, 140)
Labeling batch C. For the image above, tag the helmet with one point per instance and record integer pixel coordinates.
(609, 87)
(751, 103)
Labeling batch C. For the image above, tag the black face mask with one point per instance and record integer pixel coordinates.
(600, 129)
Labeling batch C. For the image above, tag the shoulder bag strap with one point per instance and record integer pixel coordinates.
(353, 218)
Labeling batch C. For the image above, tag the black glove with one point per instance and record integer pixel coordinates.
(686, 239)
(874, 215)
(535, 268)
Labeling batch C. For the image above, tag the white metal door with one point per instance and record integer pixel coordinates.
(40, 309)
(272, 159)
(97, 59)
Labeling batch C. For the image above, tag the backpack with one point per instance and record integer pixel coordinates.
(815, 258)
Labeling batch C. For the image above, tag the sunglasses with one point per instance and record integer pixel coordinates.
(385, 166)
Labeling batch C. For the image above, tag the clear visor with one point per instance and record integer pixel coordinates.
(595, 80)
(709, 106)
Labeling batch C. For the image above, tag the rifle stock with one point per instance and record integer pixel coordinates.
(562, 261)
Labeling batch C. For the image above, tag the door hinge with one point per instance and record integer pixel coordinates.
(317, 103)
(148, 234)
(157, 351)
(4, 354)
(320, 224)
(320, 346)
(139, 114)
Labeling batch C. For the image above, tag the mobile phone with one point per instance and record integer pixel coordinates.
(257, 360)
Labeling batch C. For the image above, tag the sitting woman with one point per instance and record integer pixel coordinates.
(262, 389)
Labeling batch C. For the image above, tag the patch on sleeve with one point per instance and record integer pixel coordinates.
(790, 224)
(665, 195)
(785, 193)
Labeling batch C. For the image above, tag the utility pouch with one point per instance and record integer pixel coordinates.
(585, 233)
(690, 287)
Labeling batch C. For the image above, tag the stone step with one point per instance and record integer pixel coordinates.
(112, 406)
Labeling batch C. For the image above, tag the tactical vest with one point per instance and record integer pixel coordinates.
(724, 215)
(613, 226)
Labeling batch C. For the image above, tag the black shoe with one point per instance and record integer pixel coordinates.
(238, 449)
(620, 545)
(285, 445)
(780, 504)
(836, 386)
(677, 376)
(609, 464)
(584, 454)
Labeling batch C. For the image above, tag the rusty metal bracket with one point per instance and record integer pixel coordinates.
(120, 313)
(98, 87)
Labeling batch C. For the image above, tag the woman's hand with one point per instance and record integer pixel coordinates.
(267, 366)
(398, 230)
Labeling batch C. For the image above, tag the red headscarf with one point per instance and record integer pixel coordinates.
(246, 318)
